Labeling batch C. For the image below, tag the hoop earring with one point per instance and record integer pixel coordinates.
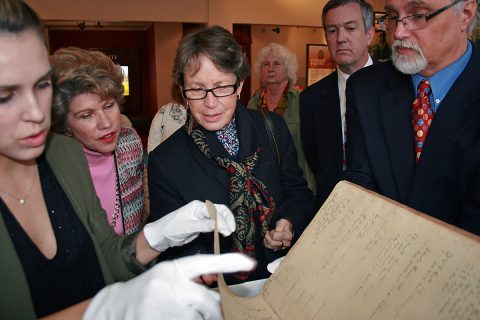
(238, 96)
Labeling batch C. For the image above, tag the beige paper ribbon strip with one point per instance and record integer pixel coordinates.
(233, 306)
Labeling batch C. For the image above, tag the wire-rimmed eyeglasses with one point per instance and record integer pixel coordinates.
(412, 22)
(221, 91)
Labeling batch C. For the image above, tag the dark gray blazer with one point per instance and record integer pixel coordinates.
(321, 131)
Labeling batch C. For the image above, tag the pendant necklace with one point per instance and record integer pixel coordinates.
(24, 199)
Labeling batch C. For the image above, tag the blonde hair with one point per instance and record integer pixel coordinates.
(288, 58)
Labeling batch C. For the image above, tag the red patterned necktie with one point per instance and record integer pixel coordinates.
(422, 116)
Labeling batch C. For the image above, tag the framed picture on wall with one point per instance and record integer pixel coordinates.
(376, 24)
(319, 62)
(379, 48)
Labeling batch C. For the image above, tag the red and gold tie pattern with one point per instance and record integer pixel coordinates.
(422, 116)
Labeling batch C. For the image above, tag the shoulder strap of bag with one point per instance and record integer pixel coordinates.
(271, 136)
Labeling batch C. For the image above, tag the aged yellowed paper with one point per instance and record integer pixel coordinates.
(366, 257)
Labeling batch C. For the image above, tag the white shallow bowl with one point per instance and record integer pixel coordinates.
(248, 289)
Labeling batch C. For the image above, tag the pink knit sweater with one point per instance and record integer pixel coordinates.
(102, 170)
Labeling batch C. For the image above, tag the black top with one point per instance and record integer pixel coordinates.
(74, 273)
(322, 134)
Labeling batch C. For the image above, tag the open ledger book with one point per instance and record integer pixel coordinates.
(364, 256)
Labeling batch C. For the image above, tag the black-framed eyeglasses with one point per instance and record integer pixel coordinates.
(412, 22)
(221, 91)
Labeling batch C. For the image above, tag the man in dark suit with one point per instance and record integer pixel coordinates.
(348, 26)
(430, 165)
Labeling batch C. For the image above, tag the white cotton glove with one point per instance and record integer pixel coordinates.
(167, 291)
(184, 224)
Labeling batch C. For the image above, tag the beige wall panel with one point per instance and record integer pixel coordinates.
(264, 15)
(167, 37)
(123, 10)
(222, 12)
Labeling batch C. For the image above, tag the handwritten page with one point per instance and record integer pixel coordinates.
(239, 308)
(366, 257)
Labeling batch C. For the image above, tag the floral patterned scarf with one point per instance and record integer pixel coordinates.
(282, 104)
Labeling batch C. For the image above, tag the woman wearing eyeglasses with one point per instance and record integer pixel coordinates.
(223, 154)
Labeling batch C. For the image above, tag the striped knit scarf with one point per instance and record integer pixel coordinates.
(129, 162)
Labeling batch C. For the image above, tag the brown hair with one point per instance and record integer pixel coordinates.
(16, 16)
(78, 71)
(217, 44)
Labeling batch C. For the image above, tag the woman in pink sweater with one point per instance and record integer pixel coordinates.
(86, 106)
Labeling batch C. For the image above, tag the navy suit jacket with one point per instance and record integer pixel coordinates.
(321, 131)
(179, 173)
(380, 147)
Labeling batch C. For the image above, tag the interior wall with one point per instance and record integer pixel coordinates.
(167, 37)
(299, 24)
(260, 14)
(129, 46)
(221, 12)
(162, 41)
(284, 12)
(122, 10)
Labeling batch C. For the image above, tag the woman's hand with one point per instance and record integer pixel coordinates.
(186, 223)
(280, 237)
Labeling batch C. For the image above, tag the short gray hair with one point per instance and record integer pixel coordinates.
(365, 8)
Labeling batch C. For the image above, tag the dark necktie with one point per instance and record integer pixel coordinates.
(422, 116)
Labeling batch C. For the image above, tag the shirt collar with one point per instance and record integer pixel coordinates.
(345, 76)
(442, 81)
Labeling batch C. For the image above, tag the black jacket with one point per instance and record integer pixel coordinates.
(321, 131)
(179, 173)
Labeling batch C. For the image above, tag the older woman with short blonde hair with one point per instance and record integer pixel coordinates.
(278, 92)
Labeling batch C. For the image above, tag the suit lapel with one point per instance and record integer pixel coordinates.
(250, 139)
(330, 114)
(396, 117)
(458, 109)
(247, 133)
